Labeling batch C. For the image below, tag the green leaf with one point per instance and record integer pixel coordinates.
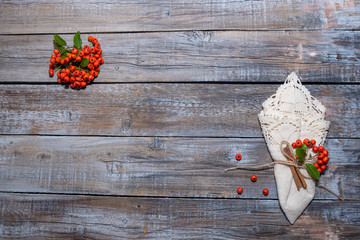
(301, 153)
(77, 40)
(84, 62)
(60, 42)
(313, 171)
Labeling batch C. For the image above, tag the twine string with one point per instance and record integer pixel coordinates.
(293, 163)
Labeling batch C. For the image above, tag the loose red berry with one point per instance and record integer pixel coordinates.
(323, 167)
(265, 191)
(315, 149)
(321, 148)
(239, 190)
(298, 143)
(238, 156)
(253, 178)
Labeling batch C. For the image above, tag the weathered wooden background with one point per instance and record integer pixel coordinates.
(140, 153)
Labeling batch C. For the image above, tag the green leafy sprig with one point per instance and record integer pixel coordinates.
(301, 153)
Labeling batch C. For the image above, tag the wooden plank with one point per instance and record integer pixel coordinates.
(217, 110)
(22, 17)
(167, 167)
(317, 56)
(96, 217)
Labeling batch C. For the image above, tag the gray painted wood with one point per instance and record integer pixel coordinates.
(217, 110)
(197, 56)
(166, 167)
(142, 151)
(98, 217)
(21, 17)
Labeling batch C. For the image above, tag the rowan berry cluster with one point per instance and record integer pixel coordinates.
(78, 66)
(320, 157)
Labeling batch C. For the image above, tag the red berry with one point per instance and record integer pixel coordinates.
(253, 178)
(293, 145)
(51, 72)
(298, 143)
(315, 149)
(320, 148)
(321, 155)
(90, 38)
(307, 142)
(325, 160)
(320, 162)
(313, 142)
(323, 167)
(319, 170)
(239, 190)
(56, 51)
(325, 152)
(265, 191)
(316, 165)
(238, 156)
(74, 50)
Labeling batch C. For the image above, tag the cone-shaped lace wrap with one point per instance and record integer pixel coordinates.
(291, 114)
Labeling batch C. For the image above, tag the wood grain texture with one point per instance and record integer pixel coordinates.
(167, 167)
(218, 110)
(198, 56)
(22, 17)
(96, 217)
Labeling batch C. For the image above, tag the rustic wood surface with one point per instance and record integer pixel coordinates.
(199, 56)
(141, 153)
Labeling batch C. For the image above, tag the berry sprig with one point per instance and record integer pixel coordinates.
(318, 160)
(77, 65)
